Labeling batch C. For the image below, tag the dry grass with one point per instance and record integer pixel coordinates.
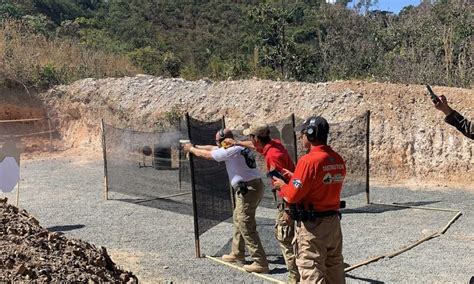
(37, 61)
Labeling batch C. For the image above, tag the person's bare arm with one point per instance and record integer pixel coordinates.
(201, 153)
(206, 147)
(246, 143)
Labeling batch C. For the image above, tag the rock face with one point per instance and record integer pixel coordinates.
(409, 139)
(30, 252)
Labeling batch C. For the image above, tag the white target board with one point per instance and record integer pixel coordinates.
(9, 174)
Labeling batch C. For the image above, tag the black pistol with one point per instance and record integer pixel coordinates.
(277, 174)
(434, 97)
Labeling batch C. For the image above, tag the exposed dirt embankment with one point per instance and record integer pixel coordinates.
(19, 105)
(409, 139)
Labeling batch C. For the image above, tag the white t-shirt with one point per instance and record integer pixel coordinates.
(236, 164)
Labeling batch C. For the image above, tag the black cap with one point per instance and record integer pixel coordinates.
(318, 122)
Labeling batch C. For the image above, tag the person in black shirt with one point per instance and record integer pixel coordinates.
(455, 118)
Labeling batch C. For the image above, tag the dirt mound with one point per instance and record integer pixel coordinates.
(409, 140)
(30, 252)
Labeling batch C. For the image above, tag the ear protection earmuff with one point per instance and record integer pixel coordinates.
(311, 130)
(222, 133)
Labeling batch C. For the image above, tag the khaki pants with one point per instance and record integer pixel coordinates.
(318, 248)
(284, 233)
(245, 225)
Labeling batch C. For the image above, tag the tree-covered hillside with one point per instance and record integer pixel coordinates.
(305, 40)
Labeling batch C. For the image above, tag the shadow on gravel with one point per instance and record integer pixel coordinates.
(175, 206)
(276, 259)
(364, 279)
(65, 228)
(376, 208)
(185, 208)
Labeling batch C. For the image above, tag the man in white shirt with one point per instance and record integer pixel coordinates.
(245, 179)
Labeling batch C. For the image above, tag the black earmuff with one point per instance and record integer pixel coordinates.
(222, 133)
(311, 130)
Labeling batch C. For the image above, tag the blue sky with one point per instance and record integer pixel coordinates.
(392, 5)
(395, 5)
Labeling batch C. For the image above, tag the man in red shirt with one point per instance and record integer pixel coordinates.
(315, 189)
(277, 160)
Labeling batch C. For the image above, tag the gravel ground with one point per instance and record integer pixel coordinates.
(157, 243)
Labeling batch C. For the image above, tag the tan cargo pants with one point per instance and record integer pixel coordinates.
(284, 233)
(245, 225)
(318, 249)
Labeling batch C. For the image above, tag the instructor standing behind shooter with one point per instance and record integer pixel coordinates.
(245, 179)
(315, 189)
(277, 160)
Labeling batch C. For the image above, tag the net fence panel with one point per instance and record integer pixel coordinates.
(30, 135)
(211, 182)
(143, 164)
(348, 138)
(184, 168)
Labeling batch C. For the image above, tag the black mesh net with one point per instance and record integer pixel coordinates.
(144, 164)
(212, 192)
(30, 135)
(348, 138)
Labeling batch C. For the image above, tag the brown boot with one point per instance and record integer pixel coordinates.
(232, 258)
(257, 268)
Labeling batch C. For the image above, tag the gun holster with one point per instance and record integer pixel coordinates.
(241, 188)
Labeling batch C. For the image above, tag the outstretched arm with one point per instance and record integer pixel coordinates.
(201, 153)
(461, 123)
(443, 106)
(206, 147)
(454, 118)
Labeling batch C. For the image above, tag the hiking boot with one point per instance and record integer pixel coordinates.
(257, 268)
(232, 258)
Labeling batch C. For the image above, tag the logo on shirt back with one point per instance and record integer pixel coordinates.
(297, 184)
(329, 179)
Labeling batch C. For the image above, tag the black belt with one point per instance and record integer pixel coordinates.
(326, 214)
(311, 216)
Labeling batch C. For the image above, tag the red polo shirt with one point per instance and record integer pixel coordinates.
(277, 157)
(317, 180)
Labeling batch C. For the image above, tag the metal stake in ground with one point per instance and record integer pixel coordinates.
(104, 152)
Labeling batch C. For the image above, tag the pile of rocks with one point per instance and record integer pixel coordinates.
(30, 252)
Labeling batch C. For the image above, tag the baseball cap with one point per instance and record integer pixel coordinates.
(318, 122)
(257, 130)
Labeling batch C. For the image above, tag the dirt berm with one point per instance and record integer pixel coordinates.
(409, 140)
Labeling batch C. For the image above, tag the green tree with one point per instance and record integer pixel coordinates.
(275, 44)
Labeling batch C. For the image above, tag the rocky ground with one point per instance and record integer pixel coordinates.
(30, 252)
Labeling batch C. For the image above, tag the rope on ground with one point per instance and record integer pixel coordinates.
(268, 278)
(22, 120)
(30, 134)
(398, 252)
(162, 197)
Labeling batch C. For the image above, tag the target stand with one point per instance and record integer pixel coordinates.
(146, 151)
